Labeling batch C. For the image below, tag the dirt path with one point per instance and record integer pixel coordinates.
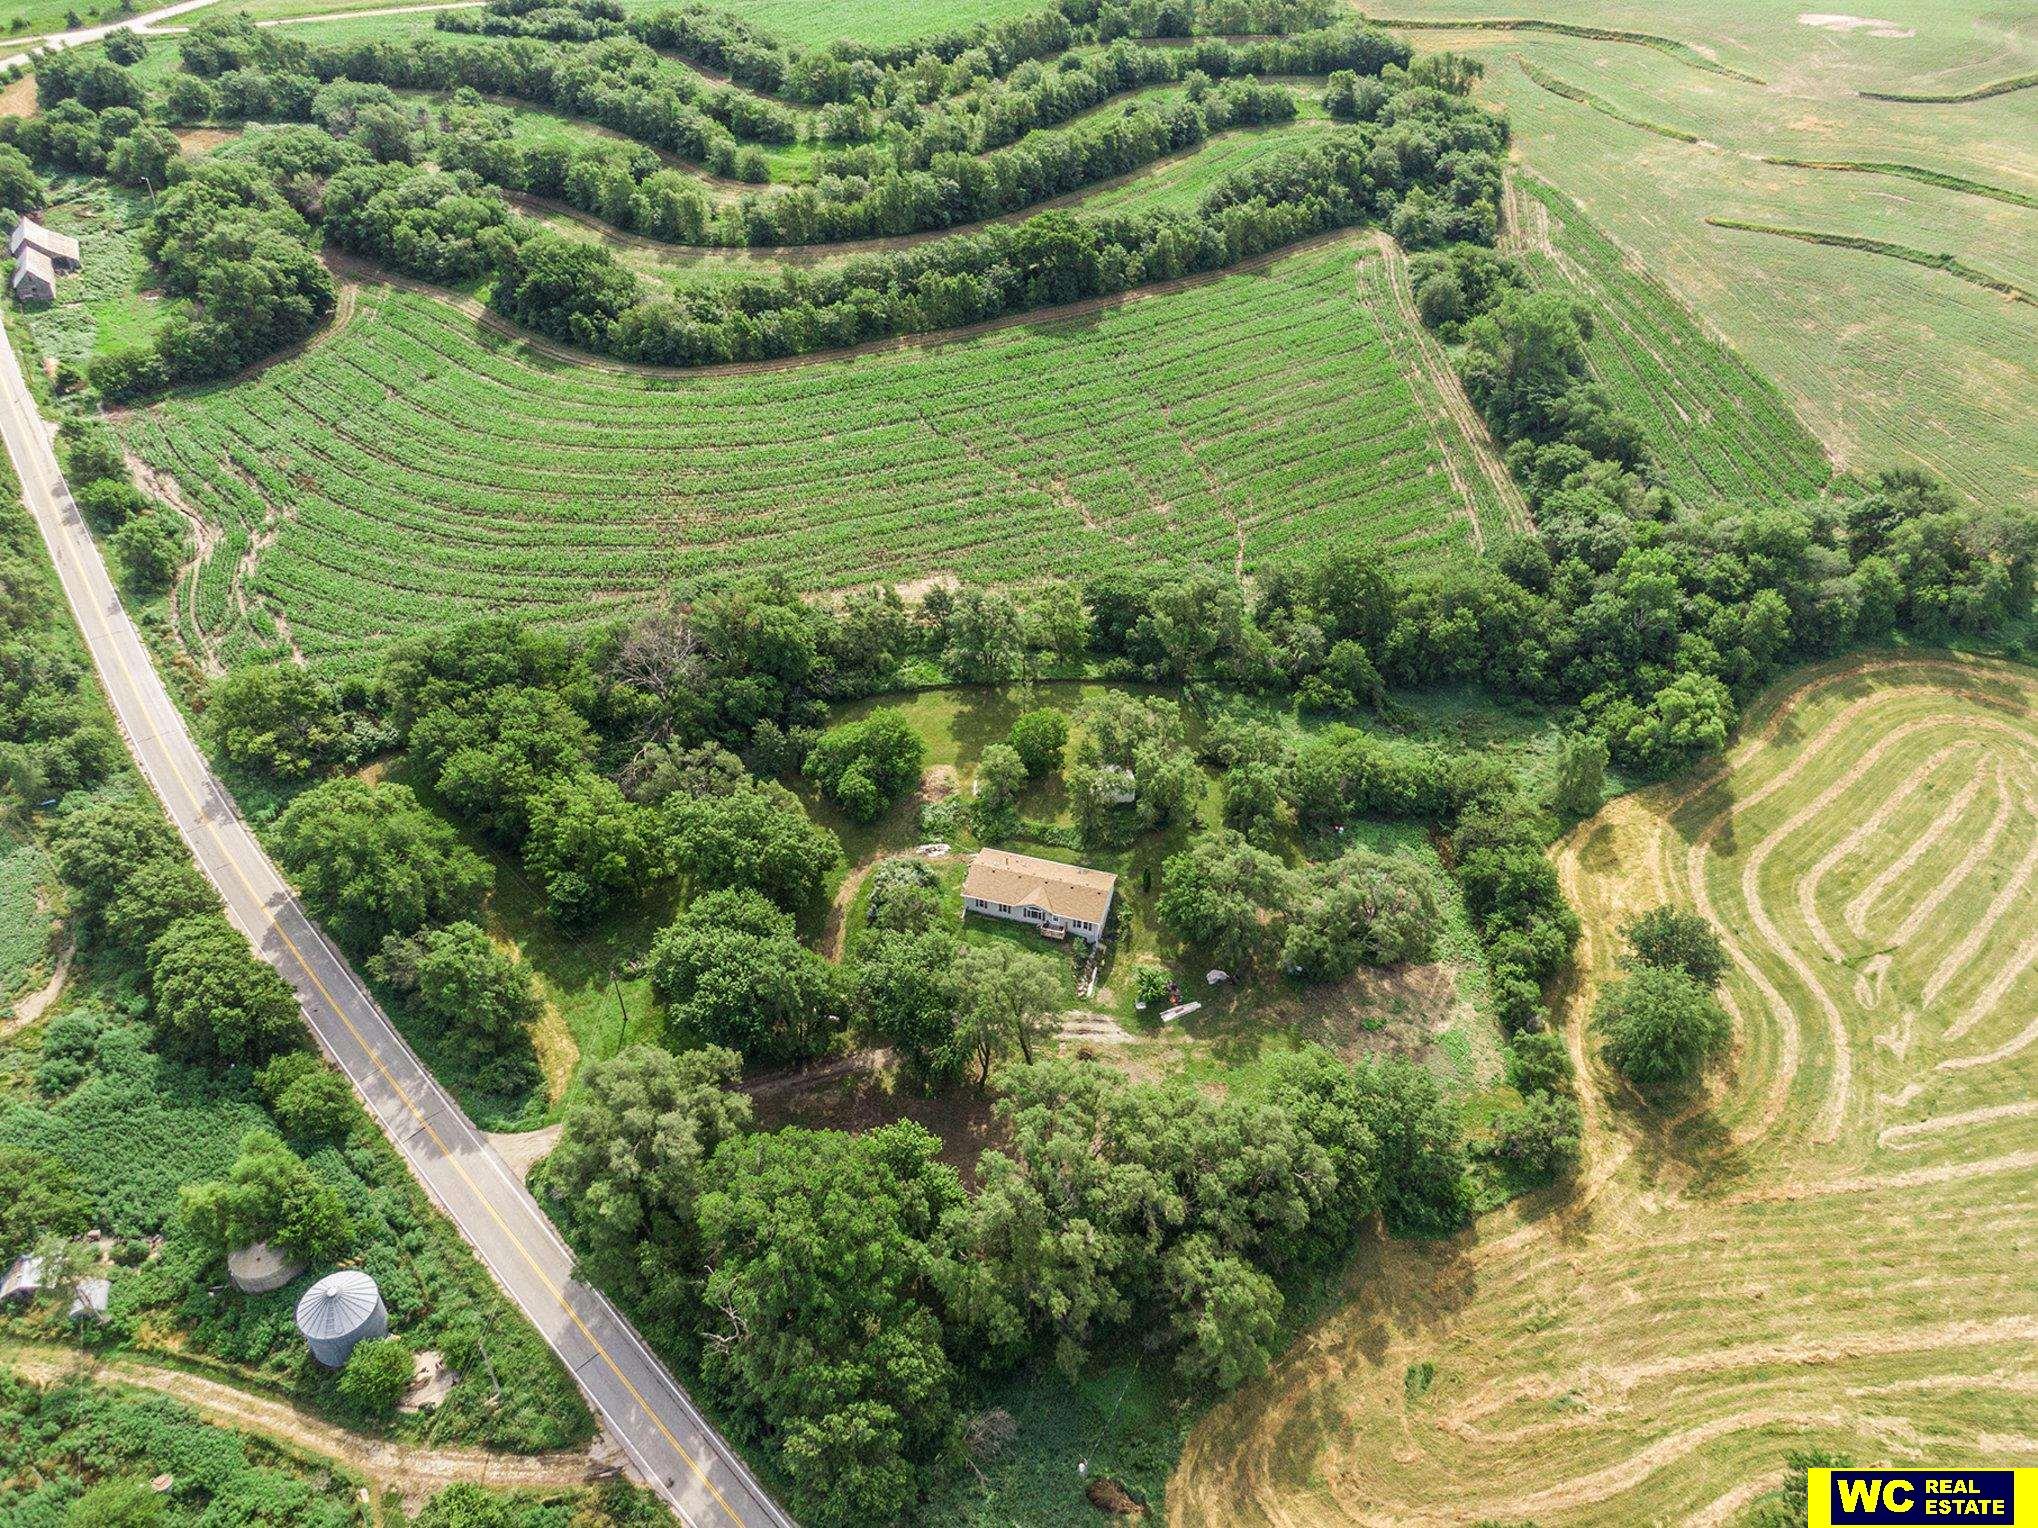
(414, 1469)
(1443, 380)
(205, 536)
(835, 932)
(34, 1005)
(793, 1082)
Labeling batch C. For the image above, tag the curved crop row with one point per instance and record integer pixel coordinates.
(1683, 52)
(1717, 427)
(431, 471)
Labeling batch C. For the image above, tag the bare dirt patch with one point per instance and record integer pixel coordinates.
(522, 1150)
(859, 1093)
(1832, 21)
(203, 140)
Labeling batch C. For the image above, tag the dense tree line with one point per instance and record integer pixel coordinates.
(841, 1294)
(54, 736)
(1038, 96)
(951, 167)
(580, 293)
(232, 234)
(953, 63)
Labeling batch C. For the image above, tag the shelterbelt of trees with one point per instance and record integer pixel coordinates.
(236, 232)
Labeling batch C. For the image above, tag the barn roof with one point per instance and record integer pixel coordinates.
(32, 262)
(58, 246)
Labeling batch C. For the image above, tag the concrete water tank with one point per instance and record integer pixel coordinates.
(259, 1268)
(338, 1311)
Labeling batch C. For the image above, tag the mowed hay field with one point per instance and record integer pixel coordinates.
(1889, 363)
(1832, 1248)
(412, 467)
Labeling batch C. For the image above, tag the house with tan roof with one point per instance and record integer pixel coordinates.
(1057, 899)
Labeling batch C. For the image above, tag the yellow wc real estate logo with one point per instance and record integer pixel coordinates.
(1842, 1498)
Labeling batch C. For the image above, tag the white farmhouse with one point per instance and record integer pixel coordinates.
(1057, 899)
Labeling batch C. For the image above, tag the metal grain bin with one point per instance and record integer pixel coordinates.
(338, 1311)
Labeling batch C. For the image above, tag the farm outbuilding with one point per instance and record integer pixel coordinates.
(88, 1301)
(60, 249)
(337, 1312)
(23, 1281)
(35, 280)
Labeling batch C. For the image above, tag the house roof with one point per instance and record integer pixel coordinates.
(33, 262)
(58, 246)
(1020, 880)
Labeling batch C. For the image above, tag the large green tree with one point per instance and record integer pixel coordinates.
(1660, 1028)
(903, 990)
(1663, 936)
(277, 718)
(466, 984)
(590, 846)
(1006, 999)
(371, 861)
(628, 1168)
(213, 999)
(1360, 909)
(865, 766)
(731, 971)
(757, 836)
(1225, 896)
(127, 871)
(823, 1311)
(268, 1195)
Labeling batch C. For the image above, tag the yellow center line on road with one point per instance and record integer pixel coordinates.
(106, 629)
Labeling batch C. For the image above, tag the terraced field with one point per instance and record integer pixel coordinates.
(413, 468)
(1831, 1248)
(1888, 363)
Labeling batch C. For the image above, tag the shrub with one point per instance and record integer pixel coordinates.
(377, 1374)
(1039, 737)
(1540, 1139)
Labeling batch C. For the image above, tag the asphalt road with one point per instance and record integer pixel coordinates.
(644, 1409)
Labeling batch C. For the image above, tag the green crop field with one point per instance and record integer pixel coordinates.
(1888, 363)
(1829, 1249)
(1718, 428)
(412, 468)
